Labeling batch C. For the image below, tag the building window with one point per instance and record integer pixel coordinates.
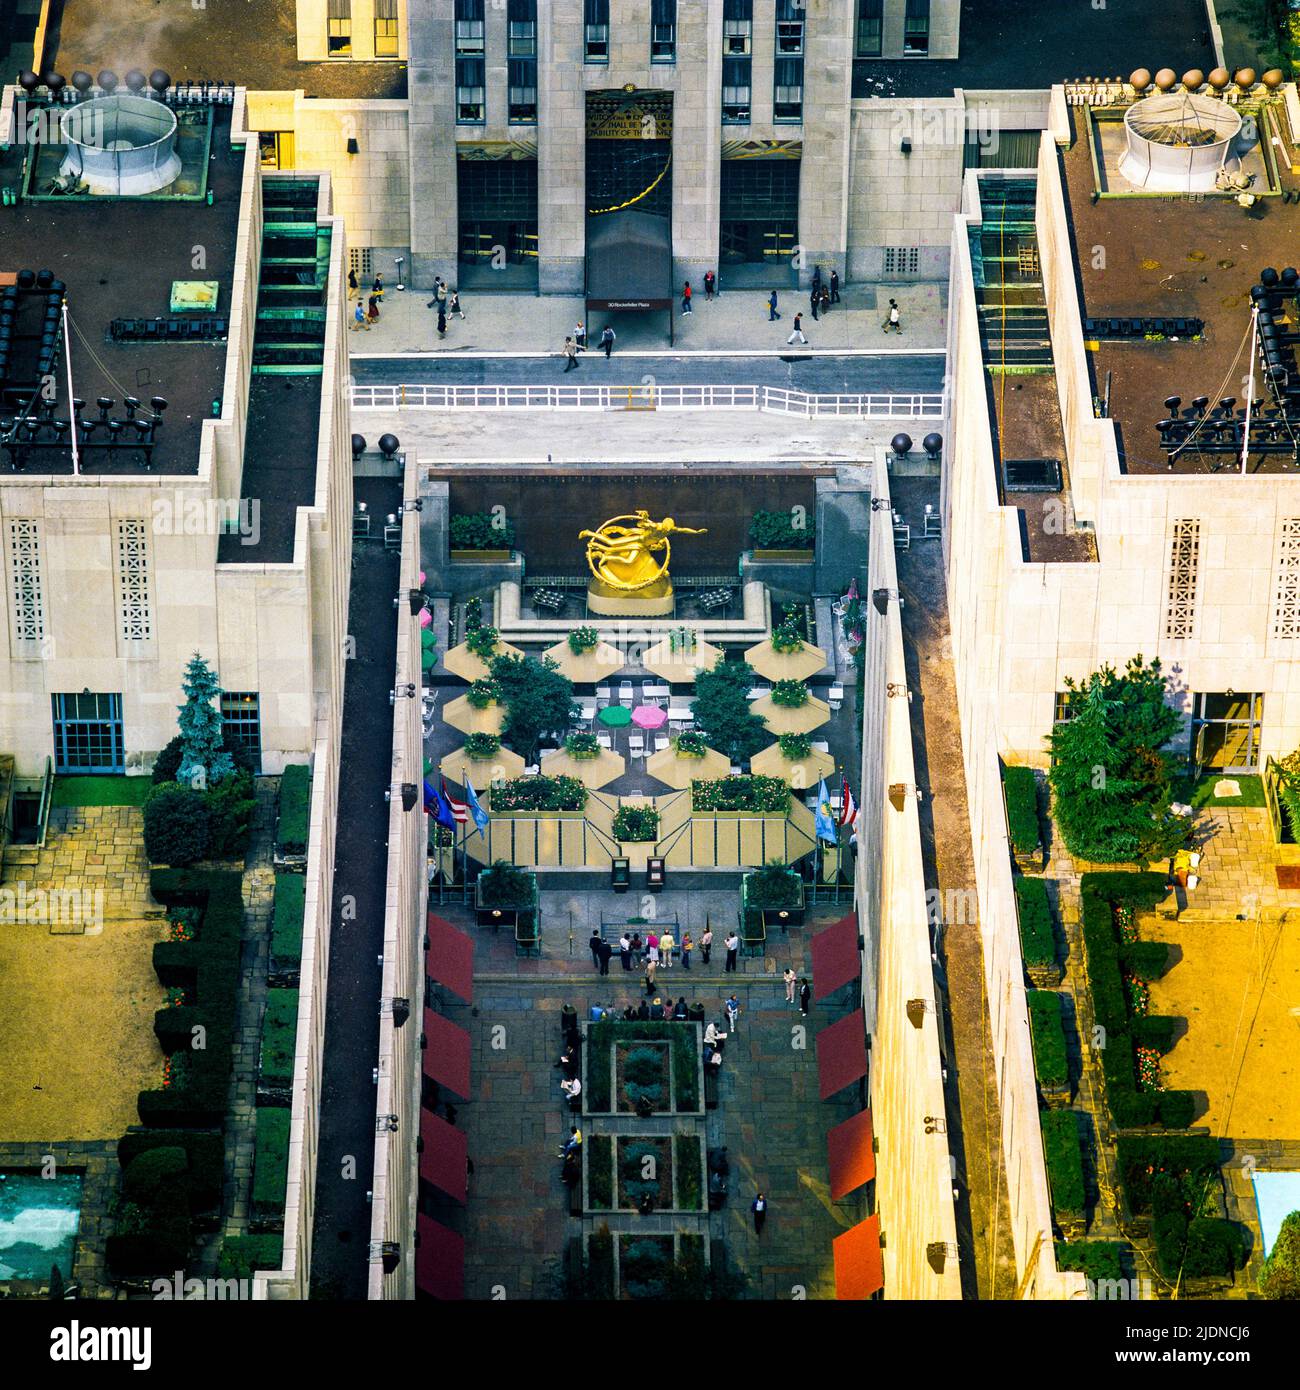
(25, 572)
(870, 27)
(1184, 561)
(789, 26)
(339, 19)
(1225, 731)
(523, 90)
(469, 91)
(735, 89)
(663, 31)
(385, 28)
(469, 27)
(787, 91)
(737, 27)
(88, 733)
(521, 18)
(596, 33)
(916, 29)
(1286, 596)
(136, 611)
(241, 721)
(902, 260)
(1064, 710)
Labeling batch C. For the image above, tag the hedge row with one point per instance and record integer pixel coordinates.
(1150, 1165)
(271, 1162)
(287, 920)
(279, 1033)
(295, 809)
(205, 1151)
(1097, 1259)
(1037, 933)
(1021, 789)
(208, 968)
(1048, 1031)
(1064, 1159)
(241, 1256)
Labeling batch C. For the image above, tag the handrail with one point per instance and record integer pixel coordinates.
(917, 405)
(47, 796)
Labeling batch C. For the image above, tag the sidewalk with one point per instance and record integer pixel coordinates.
(734, 322)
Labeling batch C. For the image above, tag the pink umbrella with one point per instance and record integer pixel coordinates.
(421, 576)
(425, 617)
(649, 717)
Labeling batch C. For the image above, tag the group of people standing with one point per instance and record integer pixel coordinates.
(656, 950)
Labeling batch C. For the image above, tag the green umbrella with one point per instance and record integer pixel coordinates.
(615, 716)
(427, 639)
(428, 659)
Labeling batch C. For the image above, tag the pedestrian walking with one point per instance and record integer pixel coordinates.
(359, 319)
(805, 997)
(605, 951)
(814, 300)
(687, 946)
(440, 293)
(825, 300)
(706, 944)
(666, 944)
(651, 969)
(686, 298)
(353, 286)
(372, 308)
(377, 289)
(732, 1007)
(789, 978)
(709, 282)
(570, 354)
(797, 330)
(607, 341)
(594, 947)
(817, 281)
(759, 1207)
(772, 315)
(835, 287)
(733, 946)
(894, 319)
(442, 321)
(625, 951)
(580, 336)
(454, 308)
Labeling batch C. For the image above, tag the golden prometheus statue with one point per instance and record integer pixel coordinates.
(630, 558)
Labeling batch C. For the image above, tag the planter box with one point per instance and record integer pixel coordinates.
(784, 557)
(538, 815)
(481, 557)
(739, 815)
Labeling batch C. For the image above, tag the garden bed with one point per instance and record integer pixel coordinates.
(615, 1078)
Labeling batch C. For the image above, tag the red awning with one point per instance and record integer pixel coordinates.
(446, 1053)
(852, 1156)
(835, 956)
(439, 1260)
(859, 1265)
(450, 957)
(842, 1053)
(443, 1156)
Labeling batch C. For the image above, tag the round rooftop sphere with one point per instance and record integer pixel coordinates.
(1193, 79)
(901, 444)
(135, 79)
(28, 81)
(1290, 275)
(932, 443)
(1220, 78)
(1245, 78)
(358, 445)
(1139, 80)
(82, 80)
(107, 81)
(1272, 79)
(55, 81)
(1166, 78)
(160, 80)
(389, 444)
(1268, 276)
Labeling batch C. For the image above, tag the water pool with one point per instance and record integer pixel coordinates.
(39, 1218)
(1277, 1195)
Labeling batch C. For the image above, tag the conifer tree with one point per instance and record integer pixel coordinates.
(204, 762)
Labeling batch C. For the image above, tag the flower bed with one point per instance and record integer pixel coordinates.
(645, 1266)
(636, 824)
(795, 746)
(483, 692)
(539, 793)
(787, 637)
(762, 795)
(482, 748)
(789, 694)
(691, 745)
(682, 1041)
(642, 1076)
(482, 642)
(645, 1170)
(584, 747)
(583, 639)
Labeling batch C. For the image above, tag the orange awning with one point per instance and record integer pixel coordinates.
(859, 1265)
(852, 1155)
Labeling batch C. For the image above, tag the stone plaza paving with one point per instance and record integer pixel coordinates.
(517, 1222)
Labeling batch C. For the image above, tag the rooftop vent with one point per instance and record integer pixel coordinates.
(1178, 142)
(121, 146)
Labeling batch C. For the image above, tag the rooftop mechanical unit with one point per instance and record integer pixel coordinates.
(1177, 142)
(121, 146)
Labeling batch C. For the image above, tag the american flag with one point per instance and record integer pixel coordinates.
(848, 809)
(459, 809)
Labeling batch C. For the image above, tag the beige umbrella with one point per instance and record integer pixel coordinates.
(587, 668)
(781, 719)
(786, 666)
(678, 667)
(462, 662)
(460, 714)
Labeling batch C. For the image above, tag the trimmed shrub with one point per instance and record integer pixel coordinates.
(483, 692)
(583, 639)
(1153, 1031)
(151, 1240)
(168, 762)
(773, 886)
(1176, 1108)
(295, 809)
(1097, 1259)
(636, 824)
(148, 1173)
(271, 1161)
(205, 1174)
(795, 746)
(230, 804)
(483, 642)
(287, 919)
(1049, 1037)
(1214, 1247)
(686, 1171)
(1148, 960)
(1129, 1107)
(242, 1256)
(790, 694)
(1147, 1161)
(505, 886)
(691, 744)
(177, 825)
(582, 746)
(1021, 789)
(779, 531)
(1064, 1159)
(1169, 1231)
(279, 1033)
(481, 531)
(1037, 936)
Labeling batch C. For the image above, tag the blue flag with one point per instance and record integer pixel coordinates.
(824, 821)
(438, 808)
(481, 818)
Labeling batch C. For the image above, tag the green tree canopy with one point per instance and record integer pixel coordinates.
(204, 761)
(722, 710)
(1281, 1277)
(1112, 784)
(537, 698)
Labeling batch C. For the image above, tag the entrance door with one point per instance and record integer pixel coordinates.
(1225, 731)
(88, 733)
